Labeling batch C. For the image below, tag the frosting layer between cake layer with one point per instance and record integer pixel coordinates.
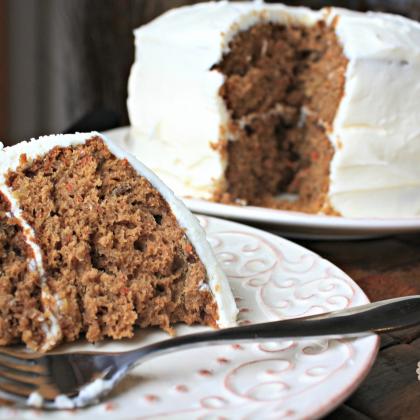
(177, 115)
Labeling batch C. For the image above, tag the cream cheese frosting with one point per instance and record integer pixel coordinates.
(217, 281)
(177, 115)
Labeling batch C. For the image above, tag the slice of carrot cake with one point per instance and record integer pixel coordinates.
(92, 243)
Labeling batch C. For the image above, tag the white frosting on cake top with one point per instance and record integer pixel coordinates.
(217, 281)
(176, 112)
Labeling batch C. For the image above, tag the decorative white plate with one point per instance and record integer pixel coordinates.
(295, 224)
(272, 279)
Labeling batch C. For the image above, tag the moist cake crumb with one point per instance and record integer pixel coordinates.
(282, 89)
(21, 315)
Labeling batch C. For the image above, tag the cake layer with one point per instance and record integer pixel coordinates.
(281, 105)
(180, 121)
(117, 248)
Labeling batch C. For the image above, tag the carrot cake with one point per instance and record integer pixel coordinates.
(92, 244)
(284, 107)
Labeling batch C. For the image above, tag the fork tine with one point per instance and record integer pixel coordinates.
(16, 388)
(25, 377)
(21, 356)
(14, 362)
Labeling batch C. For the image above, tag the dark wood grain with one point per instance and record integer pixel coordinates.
(391, 390)
(345, 412)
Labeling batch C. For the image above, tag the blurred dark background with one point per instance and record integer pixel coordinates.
(64, 64)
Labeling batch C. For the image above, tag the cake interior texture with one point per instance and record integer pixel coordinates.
(114, 254)
(20, 309)
(283, 85)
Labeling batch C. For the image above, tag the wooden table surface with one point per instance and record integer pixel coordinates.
(383, 268)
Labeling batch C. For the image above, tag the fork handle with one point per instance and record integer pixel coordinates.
(379, 317)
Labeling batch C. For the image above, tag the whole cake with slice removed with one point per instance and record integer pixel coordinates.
(284, 107)
(92, 244)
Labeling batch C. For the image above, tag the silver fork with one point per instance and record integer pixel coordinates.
(54, 381)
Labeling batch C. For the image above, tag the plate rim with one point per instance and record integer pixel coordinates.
(267, 215)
